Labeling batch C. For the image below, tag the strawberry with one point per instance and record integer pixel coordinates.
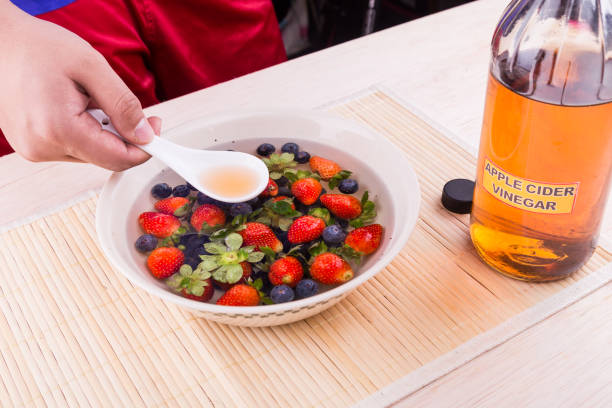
(286, 271)
(326, 168)
(260, 235)
(177, 206)
(240, 295)
(247, 269)
(271, 189)
(209, 291)
(306, 190)
(158, 224)
(163, 262)
(305, 229)
(330, 269)
(196, 285)
(365, 240)
(210, 214)
(342, 206)
(280, 198)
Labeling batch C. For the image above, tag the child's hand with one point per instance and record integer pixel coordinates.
(48, 78)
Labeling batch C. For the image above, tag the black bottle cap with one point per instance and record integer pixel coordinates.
(457, 195)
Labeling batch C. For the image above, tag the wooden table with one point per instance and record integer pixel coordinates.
(437, 66)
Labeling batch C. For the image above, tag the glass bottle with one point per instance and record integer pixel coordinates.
(545, 155)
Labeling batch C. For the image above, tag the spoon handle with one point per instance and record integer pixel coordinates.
(158, 147)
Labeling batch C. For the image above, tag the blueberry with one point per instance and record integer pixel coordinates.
(192, 188)
(333, 235)
(253, 202)
(284, 191)
(196, 241)
(222, 205)
(344, 224)
(182, 190)
(240, 209)
(204, 199)
(302, 157)
(283, 181)
(146, 243)
(306, 288)
(348, 186)
(192, 261)
(290, 148)
(265, 149)
(281, 294)
(161, 190)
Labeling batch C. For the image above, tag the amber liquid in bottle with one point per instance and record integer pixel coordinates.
(531, 138)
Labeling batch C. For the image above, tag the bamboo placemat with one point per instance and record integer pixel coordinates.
(74, 332)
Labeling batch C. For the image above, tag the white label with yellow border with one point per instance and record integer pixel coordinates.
(529, 195)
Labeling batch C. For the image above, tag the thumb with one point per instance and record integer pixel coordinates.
(115, 98)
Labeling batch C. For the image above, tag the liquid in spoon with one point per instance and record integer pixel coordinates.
(230, 181)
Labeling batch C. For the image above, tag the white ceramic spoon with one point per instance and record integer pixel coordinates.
(231, 177)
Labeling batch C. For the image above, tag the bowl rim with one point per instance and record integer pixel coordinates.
(385, 258)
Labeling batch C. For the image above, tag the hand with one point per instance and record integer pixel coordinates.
(48, 78)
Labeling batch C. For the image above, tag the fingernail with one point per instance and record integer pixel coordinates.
(143, 132)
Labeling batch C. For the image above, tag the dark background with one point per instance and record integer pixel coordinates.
(343, 20)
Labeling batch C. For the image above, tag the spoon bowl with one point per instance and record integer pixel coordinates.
(227, 176)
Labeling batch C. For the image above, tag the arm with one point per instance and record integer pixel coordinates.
(48, 78)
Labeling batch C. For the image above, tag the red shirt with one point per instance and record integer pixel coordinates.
(163, 49)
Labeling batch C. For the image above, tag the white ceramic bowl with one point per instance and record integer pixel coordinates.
(379, 166)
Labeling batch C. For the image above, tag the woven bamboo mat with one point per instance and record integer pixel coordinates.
(74, 332)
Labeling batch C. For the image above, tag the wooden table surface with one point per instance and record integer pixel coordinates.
(438, 66)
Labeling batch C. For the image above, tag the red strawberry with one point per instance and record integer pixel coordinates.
(247, 269)
(196, 285)
(341, 205)
(207, 213)
(305, 229)
(165, 261)
(326, 168)
(260, 235)
(158, 224)
(208, 293)
(306, 190)
(365, 240)
(177, 206)
(286, 270)
(330, 269)
(280, 198)
(240, 295)
(271, 189)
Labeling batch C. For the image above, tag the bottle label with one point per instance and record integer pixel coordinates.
(527, 194)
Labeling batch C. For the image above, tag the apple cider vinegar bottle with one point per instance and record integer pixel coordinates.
(546, 145)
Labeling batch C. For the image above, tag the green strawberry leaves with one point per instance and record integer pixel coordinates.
(227, 254)
(322, 213)
(237, 224)
(282, 207)
(228, 273)
(278, 214)
(341, 175)
(193, 281)
(277, 163)
(317, 248)
(348, 253)
(255, 257)
(294, 175)
(233, 241)
(368, 212)
(215, 248)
